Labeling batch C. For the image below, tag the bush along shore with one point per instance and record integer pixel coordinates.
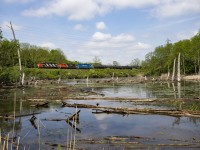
(10, 76)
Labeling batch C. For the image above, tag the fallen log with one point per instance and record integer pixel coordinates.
(114, 99)
(174, 113)
(6, 117)
(144, 111)
(64, 104)
(24, 115)
(36, 99)
(16, 116)
(45, 104)
(61, 145)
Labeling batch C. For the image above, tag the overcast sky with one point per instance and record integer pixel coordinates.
(113, 30)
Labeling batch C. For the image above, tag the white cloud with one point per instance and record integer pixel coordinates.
(185, 35)
(121, 38)
(75, 10)
(100, 25)
(79, 27)
(120, 4)
(172, 8)
(98, 36)
(88, 9)
(122, 48)
(18, 1)
(48, 45)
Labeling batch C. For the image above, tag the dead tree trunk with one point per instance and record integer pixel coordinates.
(178, 68)
(199, 62)
(168, 74)
(18, 51)
(174, 69)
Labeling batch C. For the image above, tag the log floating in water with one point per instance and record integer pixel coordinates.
(37, 99)
(175, 113)
(44, 104)
(114, 99)
(64, 104)
(145, 111)
(21, 115)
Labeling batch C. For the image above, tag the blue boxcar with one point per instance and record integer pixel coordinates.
(84, 66)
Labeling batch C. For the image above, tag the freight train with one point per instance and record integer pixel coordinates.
(81, 66)
(65, 66)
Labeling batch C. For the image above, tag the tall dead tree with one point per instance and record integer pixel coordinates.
(178, 68)
(199, 62)
(173, 74)
(19, 58)
(168, 73)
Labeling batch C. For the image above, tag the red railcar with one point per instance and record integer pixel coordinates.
(62, 66)
(40, 65)
(47, 65)
(52, 65)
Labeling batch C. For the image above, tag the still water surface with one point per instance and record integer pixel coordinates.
(158, 128)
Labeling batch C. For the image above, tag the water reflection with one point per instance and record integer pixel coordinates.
(153, 90)
(99, 125)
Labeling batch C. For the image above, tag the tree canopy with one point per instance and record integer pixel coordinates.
(30, 54)
(161, 59)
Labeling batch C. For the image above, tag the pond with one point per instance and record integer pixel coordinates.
(100, 130)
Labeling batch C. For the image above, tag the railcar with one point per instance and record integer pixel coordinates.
(71, 66)
(62, 66)
(84, 66)
(47, 65)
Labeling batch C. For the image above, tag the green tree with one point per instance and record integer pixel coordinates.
(57, 56)
(8, 53)
(161, 59)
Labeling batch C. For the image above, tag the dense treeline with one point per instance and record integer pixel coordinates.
(30, 54)
(162, 59)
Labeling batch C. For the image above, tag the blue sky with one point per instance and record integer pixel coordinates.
(113, 30)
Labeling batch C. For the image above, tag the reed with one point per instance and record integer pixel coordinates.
(71, 134)
(5, 143)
